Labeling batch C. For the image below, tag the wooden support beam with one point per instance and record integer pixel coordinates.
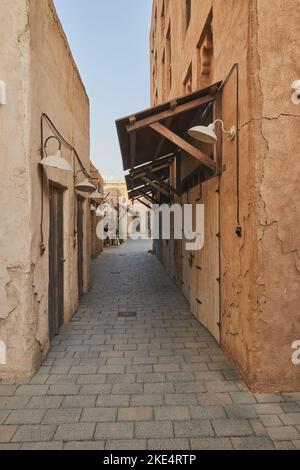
(142, 202)
(184, 145)
(155, 185)
(139, 124)
(162, 183)
(132, 139)
(162, 139)
(146, 196)
(157, 165)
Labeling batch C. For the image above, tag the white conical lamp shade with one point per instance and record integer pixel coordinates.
(204, 134)
(56, 161)
(96, 195)
(85, 187)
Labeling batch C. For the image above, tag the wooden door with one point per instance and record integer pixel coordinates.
(185, 256)
(80, 245)
(207, 307)
(194, 198)
(56, 262)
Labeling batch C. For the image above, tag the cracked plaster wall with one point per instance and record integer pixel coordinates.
(41, 76)
(260, 291)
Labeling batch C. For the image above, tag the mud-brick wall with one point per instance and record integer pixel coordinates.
(275, 131)
(260, 291)
(42, 78)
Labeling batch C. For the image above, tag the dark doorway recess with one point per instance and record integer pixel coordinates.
(80, 244)
(56, 262)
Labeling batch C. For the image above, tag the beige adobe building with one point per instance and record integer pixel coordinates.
(235, 61)
(45, 246)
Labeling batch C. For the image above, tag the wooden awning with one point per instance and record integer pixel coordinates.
(150, 140)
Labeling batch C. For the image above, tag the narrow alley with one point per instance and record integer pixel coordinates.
(135, 370)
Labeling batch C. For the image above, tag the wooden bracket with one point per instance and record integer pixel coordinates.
(184, 145)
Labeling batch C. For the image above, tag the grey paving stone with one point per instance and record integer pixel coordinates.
(113, 400)
(151, 378)
(268, 409)
(207, 412)
(6, 433)
(211, 443)
(118, 430)
(126, 444)
(193, 428)
(296, 444)
(127, 389)
(257, 426)
(61, 379)
(290, 407)
(232, 427)
(34, 433)
(67, 389)
(94, 389)
(38, 379)
(84, 445)
(180, 377)
(42, 446)
(171, 413)
(148, 429)
(3, 415)
(181, 399)
(240, 411)
(81, 401)
(44, 402)
(221, 386)
(290, 418)
(242, 398)
(252, 443)
(285, 445)
(121, 378)
(268, 397)
(210, 399)
(13, 403)
(7, 390)
(63, 415)
(165, 387)
(9, 446)
(31, 390)
(283, 433)
(144, 400)
(25, 417)
(81, 370)
(271, 420)
(98, 415)
(91, 379)
(168, 444)
(140, 413)
(190, 387)
(75, 432)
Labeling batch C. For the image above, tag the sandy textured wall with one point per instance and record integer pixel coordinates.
(45, 79)
(275, 128)
(16, 301)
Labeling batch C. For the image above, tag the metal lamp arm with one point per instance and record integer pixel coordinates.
(231, 133)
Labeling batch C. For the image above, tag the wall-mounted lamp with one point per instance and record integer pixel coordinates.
(2, 92)
(85, 186)
(296, 92)
(208, 135)
(55, 161)
(97, 194)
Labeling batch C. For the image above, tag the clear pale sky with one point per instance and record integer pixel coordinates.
(110, 44)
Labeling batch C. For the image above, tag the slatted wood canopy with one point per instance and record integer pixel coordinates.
(151, 139)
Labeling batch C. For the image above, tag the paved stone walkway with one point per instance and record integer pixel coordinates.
(156, 380)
